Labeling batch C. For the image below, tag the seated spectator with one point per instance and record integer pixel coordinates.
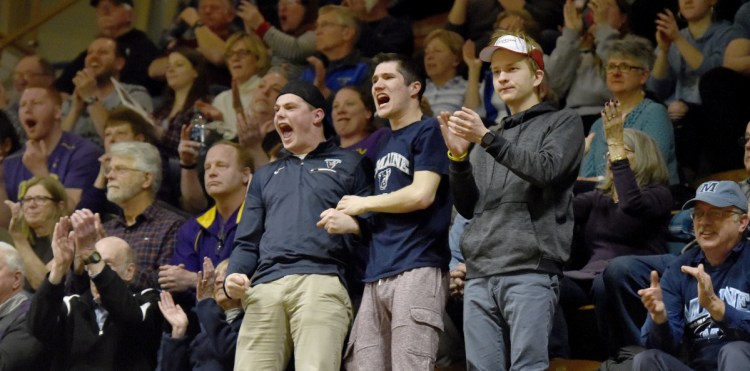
(95, 96)
(699, 304)
(126, 125)
(48, 150)
(228, 170)
(19, 350)
(474, 19)
(353, 120)
(43, 201)
(337, 63)
(209, 27)
(724, 93)
(256, 127)
(576, 65)
(220, 318)
(295, 41)
(247, 59)
(628, 67)
(626, 215)
(187, 83)
(9, 142)
(622, 309)
(445, 88)
(114, 19)
(380, 32)
(682, 57)
(133, 179)
(31, 70)
(109, 327)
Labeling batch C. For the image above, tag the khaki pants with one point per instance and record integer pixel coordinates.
(309, 312)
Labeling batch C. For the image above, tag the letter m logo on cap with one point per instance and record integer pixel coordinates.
(708, 187)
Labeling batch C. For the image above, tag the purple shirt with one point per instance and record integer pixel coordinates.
(368, 147)
(207, 235)
(74, 160)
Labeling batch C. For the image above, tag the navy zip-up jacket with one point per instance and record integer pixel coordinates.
(277, 235)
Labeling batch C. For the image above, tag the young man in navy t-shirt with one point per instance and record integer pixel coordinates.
(406, 281)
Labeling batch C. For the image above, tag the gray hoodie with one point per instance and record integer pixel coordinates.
(518, 193)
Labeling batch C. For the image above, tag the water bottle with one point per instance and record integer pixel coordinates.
(199, 133)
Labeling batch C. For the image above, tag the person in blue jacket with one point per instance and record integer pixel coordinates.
(297, 248)
(702, 300)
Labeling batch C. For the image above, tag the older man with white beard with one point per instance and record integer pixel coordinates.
(149, 227)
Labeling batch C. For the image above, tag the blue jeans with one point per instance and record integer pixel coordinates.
(507, 321)
(732, 356)
(619, 311)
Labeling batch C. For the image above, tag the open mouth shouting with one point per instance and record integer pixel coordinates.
(285, 131)
(382, 99)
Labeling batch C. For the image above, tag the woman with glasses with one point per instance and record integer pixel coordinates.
(627, 214)
(42, 201)
(247, 58)
(628, 68)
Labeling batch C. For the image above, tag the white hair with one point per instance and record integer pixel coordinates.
(12, 258)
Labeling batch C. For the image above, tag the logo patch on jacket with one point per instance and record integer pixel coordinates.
(331, 163)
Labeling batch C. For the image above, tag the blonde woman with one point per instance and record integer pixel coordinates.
(42, 201)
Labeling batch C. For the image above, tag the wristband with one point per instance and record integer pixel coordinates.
(224, 287)
(459, 158)
(188, 167)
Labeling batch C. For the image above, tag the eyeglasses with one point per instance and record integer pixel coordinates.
(712, 214)
(37, 200)
(623, 68)
(242, 53)
(27, 75)
(119, 170)
(606, 154)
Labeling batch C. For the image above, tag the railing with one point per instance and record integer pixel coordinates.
(35, 23)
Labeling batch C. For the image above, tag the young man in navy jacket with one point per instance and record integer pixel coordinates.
(296, 247)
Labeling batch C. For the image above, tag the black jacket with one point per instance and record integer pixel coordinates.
(128, 340)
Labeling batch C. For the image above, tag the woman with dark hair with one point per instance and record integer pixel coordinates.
(295, 41)
(186, 84)
(353, 120)
(42, 201)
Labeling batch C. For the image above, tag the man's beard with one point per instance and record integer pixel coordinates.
(120, 195)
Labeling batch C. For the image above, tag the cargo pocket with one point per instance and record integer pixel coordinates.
(425, 329)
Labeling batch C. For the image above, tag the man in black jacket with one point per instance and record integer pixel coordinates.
(106, 328)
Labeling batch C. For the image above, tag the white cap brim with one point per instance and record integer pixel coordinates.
(508, 42)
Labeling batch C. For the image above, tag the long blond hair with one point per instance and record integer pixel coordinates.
(649, 167)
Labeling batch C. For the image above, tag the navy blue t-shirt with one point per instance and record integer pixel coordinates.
(401, 242)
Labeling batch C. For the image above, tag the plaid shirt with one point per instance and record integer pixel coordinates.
(152, 237)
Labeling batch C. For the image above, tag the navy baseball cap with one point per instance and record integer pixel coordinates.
(305, 90)
(720, 194)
